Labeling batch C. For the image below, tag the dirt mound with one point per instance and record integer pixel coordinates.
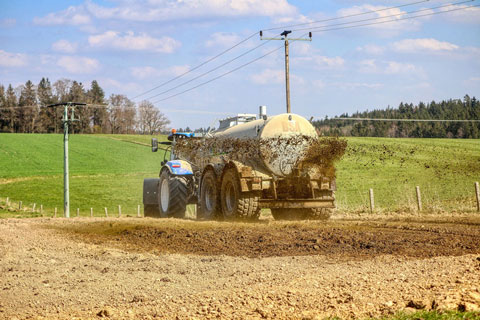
(352, 240)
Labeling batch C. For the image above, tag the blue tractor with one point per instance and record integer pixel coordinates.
(169, 195)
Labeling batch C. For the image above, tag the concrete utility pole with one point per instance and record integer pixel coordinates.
(284, 35)
(66, 189)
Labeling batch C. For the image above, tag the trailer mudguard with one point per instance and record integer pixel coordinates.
(179, 167)
(150, 189)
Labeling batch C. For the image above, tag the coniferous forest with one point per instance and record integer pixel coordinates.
(24, 110)
(453, 109)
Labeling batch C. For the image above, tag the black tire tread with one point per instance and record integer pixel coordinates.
(202, 214)
(178, 196)
(248, 206)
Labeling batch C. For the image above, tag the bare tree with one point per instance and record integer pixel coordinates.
(150, 119)
(121, 115)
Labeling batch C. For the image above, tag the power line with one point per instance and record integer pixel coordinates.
(389, 16)
(403, 120)
(220, 76)
(347, 16)
(198, 66)
(399, 19)
(252, 35)
(263, 56)
(210, 71)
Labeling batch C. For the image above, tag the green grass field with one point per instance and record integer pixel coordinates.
(108, 170)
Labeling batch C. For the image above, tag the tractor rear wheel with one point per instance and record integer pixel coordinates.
(172, 195)
(209, 196)
(235, 203)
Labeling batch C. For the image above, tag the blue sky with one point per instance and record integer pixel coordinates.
(131, 46)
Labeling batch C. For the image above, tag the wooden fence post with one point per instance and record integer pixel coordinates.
(91, 212)
(477, 193)
(55, 214)
(41, 209)
(7, 202)
(419, 198)
(78, 212)
(119, 211)
(138, 211)
(106, 212)
(33, 208)
(20, 205)
(372, 200)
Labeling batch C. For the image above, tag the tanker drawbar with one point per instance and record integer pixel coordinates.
(276, 162)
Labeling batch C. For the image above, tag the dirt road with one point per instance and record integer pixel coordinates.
(146, 269)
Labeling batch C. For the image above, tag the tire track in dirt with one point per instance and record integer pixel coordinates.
(335, 239)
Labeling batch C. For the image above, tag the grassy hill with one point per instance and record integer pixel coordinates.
(108, 170)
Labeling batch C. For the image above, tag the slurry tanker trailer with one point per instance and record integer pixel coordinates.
(247, 164)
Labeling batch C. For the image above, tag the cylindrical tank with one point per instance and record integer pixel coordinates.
(279, 148)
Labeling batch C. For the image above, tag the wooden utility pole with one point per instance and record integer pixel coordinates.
(287, 72)
(284, 35)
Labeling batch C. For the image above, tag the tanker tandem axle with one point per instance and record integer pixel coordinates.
(244, 166)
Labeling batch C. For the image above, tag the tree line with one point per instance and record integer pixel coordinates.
(24, 110)
(453, 109)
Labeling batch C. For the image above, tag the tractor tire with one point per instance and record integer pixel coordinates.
(172, 195)
(236, 204)
(209, 202)
(151, 210)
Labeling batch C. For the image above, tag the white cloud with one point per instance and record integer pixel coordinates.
(382, 27)
(166, 10)
(8, 59)
(274, 76)
(394, 67)
(130, 41)
(64, 46)
(372, 49)
(321, 62)
(76, 64)
(120, 86)
(7, 23)
(319, 84)
(70, 16)
(422, 45)
(469, 15)
(357, 85)
(148, 72)
(387, 67)
(222, 39)
(327, 62)
(268, 76)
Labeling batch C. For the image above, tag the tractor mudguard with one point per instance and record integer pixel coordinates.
(179, 167)
(150, 189)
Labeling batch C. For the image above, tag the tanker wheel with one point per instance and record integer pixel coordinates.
(172, 195)
(235, 203)
(288, 214)
(209, 196)
(151, 210)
